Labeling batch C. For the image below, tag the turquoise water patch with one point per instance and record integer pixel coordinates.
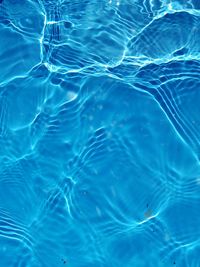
(99, 133)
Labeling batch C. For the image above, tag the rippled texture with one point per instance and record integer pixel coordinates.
(99, 133)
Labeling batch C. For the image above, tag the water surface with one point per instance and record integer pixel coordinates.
(99, 133)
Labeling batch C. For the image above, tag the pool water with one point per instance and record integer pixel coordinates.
(99, 133)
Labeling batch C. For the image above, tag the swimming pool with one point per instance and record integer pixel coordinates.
(99, 133)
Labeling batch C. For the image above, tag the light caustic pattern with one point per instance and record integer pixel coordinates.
(99, 133)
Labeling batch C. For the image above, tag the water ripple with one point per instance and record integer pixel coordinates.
(99, 133)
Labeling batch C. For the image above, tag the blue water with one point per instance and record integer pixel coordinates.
(99, 133)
